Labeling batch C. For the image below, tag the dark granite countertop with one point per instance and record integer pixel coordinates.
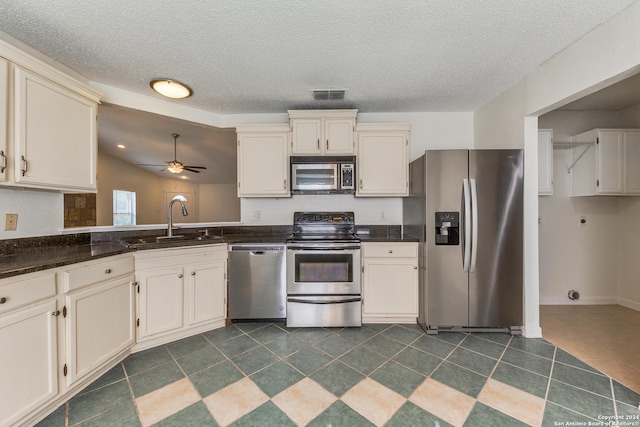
(364, 238)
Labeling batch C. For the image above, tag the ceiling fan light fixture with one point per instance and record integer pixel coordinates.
(175, 167)
(171, 88)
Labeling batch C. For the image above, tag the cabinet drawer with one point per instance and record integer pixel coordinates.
(26, 290)
(390, 250)
(97, 271)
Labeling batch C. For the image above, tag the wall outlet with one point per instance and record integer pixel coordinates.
(10, 222)
(256, 216)
(383, 214)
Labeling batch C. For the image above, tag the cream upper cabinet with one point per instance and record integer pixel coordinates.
(382, 160)
(609, 165)
(322, 132)
(545, 162)
(4, 116)
(263, 160)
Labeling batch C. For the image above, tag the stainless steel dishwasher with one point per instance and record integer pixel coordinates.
(257, 281)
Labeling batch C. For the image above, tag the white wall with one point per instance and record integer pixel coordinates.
(39, 212)
(218, 203)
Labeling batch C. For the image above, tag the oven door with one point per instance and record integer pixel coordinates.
(323, 271)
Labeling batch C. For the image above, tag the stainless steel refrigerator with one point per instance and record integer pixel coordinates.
(466, 206)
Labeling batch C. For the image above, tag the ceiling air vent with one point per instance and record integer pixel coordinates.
(328, 94)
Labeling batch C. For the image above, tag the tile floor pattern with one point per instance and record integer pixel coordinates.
(263, 374)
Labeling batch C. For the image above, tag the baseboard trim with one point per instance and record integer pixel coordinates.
(581, 301)
(633, 305)
(532, 332)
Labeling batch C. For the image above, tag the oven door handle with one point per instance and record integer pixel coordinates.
(312, 301)
(302, 247)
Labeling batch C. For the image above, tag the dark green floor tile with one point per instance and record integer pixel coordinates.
(486, 347)
(194, 415)
(434, 346)
(555, 415)
(220, 335)
(401, 334)
(200, 360)
(519, 378)
(276, 378)
(267, 415)
(313, 335)
(398, 378)
(309, 359)
(383, 345)
(146, 359)
(55, 419)
(628, 413)
(564, 357)
(111, 376)
(459, 378)
(254, 360)
(187, 346)
(363, 360)
(91, 404)
(586, 380)
(474, 361)
(266, 334)
(357, 335)
(124, 415)
(484, 416)
(237, 345)
(248, 327)
(337, 377)
(410, 415)
(339, 415)
(418, 360)
(336, 346)
(215, 378)
(155, 378)
(285, 345)
(454, 338)
(579, 400)
(497, 337)
(537, 347)
(530, 362)
(625, 395)
(412, 327)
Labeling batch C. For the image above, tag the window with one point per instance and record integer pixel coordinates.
(124, 207)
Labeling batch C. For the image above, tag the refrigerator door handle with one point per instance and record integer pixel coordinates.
(466, 214)
(474, 225)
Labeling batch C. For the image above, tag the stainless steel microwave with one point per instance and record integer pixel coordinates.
(322, 175)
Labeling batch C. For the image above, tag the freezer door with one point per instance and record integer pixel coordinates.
(495, 280)
(447, 284)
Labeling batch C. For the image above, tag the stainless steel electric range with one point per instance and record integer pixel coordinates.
(323, 271)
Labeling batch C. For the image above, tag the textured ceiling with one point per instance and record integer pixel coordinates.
(249, 56)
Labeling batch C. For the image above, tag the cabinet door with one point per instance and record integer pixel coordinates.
(383, 164)
(609, 163)
(100, 324)
(28, 356)
(545, 162)
(306, 135)
(4, 114)
(632, 162)
(206, 290)
(338, 136)
(390, 287)
(55, 135)
(160, 301)
(263, 165)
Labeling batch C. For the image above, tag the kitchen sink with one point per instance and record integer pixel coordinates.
(155, 242)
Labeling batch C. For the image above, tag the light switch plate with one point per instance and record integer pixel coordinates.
(10, 222)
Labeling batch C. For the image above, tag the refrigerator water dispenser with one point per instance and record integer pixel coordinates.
(447, 228)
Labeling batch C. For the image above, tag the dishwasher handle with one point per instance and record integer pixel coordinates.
(256, 249)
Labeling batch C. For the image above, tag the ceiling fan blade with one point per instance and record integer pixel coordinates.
(191, 170)
(195, 167)
(148, 164)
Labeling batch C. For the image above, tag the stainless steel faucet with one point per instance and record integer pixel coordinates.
(179, 198)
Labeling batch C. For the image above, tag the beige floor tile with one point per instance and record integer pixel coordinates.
(519, 404)
(443, 401)
(373, 401)
(234, 401)
(304, 401)
(166, 401)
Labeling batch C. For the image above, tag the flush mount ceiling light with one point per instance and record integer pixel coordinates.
(171, 88)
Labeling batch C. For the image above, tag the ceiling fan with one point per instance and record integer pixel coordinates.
(175, 166)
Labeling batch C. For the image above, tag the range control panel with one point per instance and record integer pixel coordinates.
(334, 218)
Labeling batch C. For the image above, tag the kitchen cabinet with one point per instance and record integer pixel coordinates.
(608, 165)
(322, 132)
(99, 302)
(181, 292)
(382, 160)
(389, 282)
(545, 162)
(263, 160)
(29, 344)
(4, 116)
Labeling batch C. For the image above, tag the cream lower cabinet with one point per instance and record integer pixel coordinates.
(390, 282)
(181, 292)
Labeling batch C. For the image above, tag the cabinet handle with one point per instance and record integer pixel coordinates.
(180, 276)
(390, 251)
(284, 185)
(24, 165)
(3, 300)
(107, 271)
(327, 145)
(415, 267)
(361, 183)
(318, 144)
(193, 273)
(55, 313)
(4, 162)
